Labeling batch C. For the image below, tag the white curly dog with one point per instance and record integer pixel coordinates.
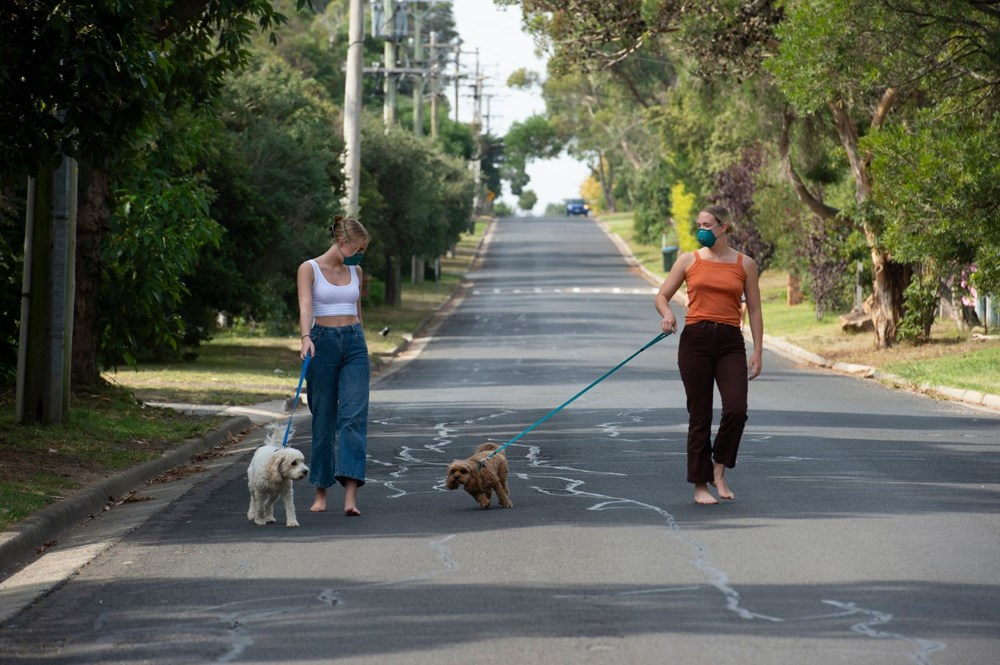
(270, 476)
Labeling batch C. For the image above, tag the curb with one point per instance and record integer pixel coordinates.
(26, 539)
(782, 347)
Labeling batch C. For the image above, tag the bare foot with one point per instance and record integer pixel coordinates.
(702, 496)
(319, 504)
(351, 499)
(720, 483)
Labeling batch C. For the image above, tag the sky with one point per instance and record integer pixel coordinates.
(503, 49)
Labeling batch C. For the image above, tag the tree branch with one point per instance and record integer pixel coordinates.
(807, 197)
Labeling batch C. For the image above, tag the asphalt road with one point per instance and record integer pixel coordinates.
(865, 528)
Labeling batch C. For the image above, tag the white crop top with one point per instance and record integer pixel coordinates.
(332, 300)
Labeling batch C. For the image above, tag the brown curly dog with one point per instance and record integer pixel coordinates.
(481, 482)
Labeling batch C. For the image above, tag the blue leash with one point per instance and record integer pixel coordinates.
(574, 397)
(305, 364)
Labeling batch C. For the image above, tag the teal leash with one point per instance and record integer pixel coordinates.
(305, 364)
(574, 397)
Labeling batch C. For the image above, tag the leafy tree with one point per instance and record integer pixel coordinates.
(154, 238)
(11, 271)
(527, 200)
(735, 189)
(868, 65)
(939, 181)
(592, 193)
(277, 176)
(652, 209)
(501, 209)
(85, 78)
(823, 247)
(414, 199)
(534, 138)
(682, 212)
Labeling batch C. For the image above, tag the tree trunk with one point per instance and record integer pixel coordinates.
(891, 278)
(607, 182)
(890, 282)
(393, 281)
(93, 214)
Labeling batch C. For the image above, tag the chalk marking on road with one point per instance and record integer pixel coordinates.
(623, 594)
(445, 553)
(717, 577)
(535, 460)
(924, 647)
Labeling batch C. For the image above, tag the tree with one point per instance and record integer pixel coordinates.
(275, 167)
(527, 200)
(415, 200)
(868, 65)
(735, 189)
(82, 78)
(939, 181)
(534, 138)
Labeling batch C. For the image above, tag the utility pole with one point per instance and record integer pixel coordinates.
(435, 81)
(389, 61)
(458, 74)
(477, 124)
(418, 80)
(45, 344)
(352, 107)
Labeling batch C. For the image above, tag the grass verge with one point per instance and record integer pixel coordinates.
(107, 430)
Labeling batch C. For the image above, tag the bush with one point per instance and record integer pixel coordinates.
(919, 309)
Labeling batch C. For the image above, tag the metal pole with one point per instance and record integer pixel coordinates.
(418, 80)
(352, 106)
(434, 86)
(389, 60)
(458, 75)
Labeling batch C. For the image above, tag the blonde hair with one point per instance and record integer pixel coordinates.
(722, 216)
(349, 229)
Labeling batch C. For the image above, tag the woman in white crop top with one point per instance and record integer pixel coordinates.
(329, 292)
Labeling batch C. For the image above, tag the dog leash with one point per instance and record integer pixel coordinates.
(305, 364)
(574, 397)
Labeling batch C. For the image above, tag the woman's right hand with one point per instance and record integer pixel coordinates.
(669, 323)
(307, 348)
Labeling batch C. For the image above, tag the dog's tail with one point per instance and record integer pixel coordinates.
(488, 448)
(275, 434)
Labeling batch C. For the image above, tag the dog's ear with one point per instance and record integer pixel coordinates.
(273, 469)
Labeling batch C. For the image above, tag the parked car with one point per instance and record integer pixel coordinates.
(577, 207)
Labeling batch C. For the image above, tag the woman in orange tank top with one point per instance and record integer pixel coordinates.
(711, 351)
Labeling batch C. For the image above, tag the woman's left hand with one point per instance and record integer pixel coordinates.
(754, 367)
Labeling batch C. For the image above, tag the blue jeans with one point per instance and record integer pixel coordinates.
(337, 392)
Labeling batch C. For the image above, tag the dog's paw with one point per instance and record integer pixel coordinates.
(260, 522)
(507, 504)
(291, 523)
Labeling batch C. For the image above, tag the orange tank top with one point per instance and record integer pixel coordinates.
(714, 290)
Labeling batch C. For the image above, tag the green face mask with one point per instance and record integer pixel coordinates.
(354, 259)
(706, 238)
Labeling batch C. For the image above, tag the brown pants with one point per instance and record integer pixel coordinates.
(712, 353)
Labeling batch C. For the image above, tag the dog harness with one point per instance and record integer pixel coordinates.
(332, 300)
